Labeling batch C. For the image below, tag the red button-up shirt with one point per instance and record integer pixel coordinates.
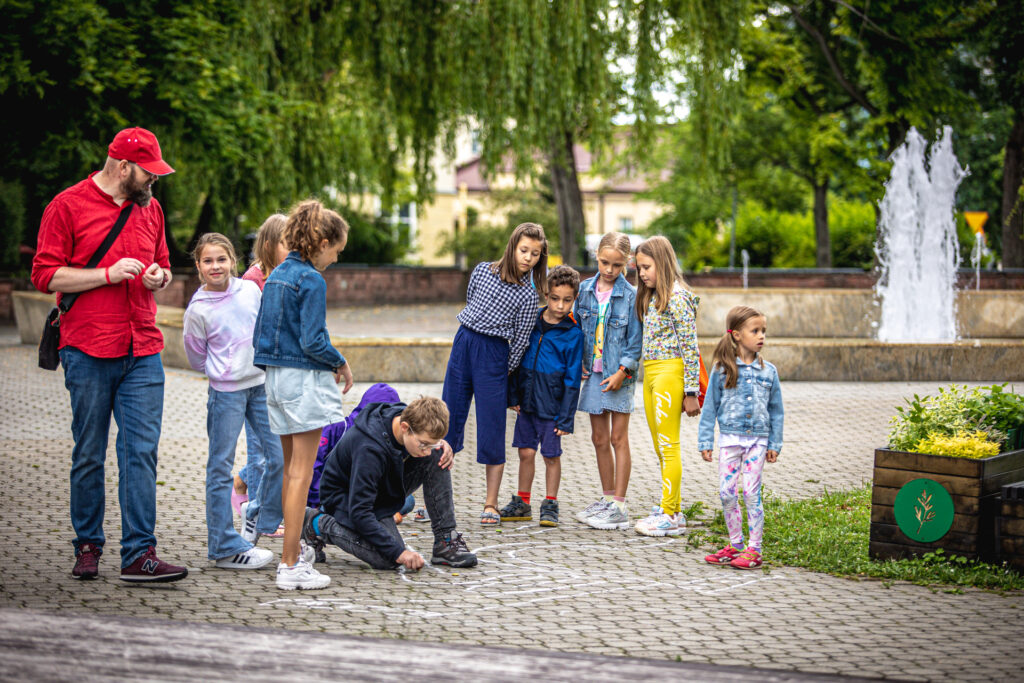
(108, 321)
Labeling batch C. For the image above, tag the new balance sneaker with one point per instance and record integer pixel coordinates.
(248, 531)
(610, 517)
(591, 510)
(549, 513)
(516, 511)
(253, 558)
(151, 569)
(301, 576)
(87, 562)
(661, 524)
(453, 552)
(748, 559)
(723, 556)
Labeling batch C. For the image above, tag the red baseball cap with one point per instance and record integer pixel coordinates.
(139, 146)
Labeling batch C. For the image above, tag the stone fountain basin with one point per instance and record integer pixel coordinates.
(845, 357)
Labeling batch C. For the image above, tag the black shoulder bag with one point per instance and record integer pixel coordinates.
(50, 341)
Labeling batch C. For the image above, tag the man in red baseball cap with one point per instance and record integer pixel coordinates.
(110, 345)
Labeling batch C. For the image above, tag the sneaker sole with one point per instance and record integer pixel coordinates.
(85, 577)
(517, 519)
(658, 533)
(548, 522)
(607, 526)
(745, 568)
(243, 566)
(457, 565)
(165, 578)
(303, 588)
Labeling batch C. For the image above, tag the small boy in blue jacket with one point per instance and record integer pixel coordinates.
(544, 391)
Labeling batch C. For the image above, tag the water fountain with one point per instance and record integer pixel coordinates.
(917, 246)
(745, 256)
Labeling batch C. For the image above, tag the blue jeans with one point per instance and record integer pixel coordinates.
(477, 369)
(252, 473)
(131, 388)
(226, 412)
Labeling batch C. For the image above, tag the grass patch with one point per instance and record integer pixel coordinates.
(830, 534)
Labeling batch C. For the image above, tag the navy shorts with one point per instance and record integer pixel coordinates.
(532, 430)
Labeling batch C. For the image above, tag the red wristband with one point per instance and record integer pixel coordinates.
(106, 274)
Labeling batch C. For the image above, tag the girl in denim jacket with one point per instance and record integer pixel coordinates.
(612, 340)
(745, 398)
(303, 368)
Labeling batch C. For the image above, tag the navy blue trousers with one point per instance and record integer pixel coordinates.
(478, 367)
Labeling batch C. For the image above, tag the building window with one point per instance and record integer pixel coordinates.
(474, 141)
(625, 224)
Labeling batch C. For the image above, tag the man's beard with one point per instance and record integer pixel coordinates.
(136, 192)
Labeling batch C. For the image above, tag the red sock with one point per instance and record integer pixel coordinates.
(525, 495)
(550, 497)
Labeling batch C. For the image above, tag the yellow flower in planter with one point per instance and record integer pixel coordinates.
(960, 445)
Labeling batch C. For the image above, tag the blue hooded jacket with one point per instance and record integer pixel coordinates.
(547, 381)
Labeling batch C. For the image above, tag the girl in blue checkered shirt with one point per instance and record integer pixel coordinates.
(494, 330)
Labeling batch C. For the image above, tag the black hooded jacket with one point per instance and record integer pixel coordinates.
(362, 479)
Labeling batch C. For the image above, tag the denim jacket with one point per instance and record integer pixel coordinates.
(291, 328)
(752, 408)
(623, 333)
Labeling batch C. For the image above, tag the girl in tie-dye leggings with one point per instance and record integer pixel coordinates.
(745, 399)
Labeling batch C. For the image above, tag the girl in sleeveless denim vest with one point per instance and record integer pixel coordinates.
(745, 399)
(613, 337)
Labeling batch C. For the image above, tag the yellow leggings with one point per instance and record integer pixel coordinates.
(663, 405)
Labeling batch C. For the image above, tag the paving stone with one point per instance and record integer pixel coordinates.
(572, 588)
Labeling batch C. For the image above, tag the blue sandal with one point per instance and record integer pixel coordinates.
(489, 518)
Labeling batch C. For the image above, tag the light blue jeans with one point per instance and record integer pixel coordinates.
(252, 474)
(131, 388)
(226, 412)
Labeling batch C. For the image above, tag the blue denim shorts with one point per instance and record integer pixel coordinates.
(532, 430)
(595, 401)
(300, 400)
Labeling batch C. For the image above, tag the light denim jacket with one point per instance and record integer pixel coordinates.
(752, 408)
(291, 328)
(623, 333)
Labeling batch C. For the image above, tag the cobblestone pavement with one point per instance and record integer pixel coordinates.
(569, 588)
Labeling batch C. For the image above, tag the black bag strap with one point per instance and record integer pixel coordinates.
(68, 299)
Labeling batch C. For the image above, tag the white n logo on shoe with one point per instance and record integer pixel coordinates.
(150, 566)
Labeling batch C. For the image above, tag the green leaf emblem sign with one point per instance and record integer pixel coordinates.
(924, 510)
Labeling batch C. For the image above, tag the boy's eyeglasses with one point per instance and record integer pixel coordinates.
(427, 447)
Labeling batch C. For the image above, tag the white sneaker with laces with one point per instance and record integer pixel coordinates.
(253, 558)
(661, 524)
(306, 552)
(248, 531)
(301, 576)
(591, 510)
(611, 517)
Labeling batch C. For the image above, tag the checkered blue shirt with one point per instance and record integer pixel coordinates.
(498, 309)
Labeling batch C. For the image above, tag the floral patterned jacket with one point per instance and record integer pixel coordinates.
(673, 334)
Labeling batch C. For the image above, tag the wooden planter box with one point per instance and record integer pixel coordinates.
(974, 485)
(1011, 526)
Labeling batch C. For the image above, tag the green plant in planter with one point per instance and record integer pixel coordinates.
(998, 410)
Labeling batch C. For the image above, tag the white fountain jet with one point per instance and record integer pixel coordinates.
(917, 248)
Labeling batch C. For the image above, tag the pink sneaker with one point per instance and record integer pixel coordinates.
(237, 499)
(748, 559)
(724, 556)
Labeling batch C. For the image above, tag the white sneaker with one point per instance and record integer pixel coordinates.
(611, 517)
(660, 524)
(591, 510)
(248, 531)
(306, 552)
(302, 576)
(253, 558)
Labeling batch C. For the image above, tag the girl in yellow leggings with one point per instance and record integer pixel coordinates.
(668, 311)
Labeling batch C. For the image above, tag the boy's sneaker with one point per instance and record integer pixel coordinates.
(151, 569)
(248, 531)
(549, 513)
(723, 556)
(308, 536)
(453, 552)
(253, 558)
(87, 562)
(661, 524)
(748, 559)
(593, 509)
(516, 511)
(611, 517)
(301, 576)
